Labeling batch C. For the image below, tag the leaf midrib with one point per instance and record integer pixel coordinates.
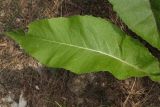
(88, 49)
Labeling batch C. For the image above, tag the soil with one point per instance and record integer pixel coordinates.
(21, 75)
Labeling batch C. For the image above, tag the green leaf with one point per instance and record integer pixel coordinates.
(155, 4)
(84, 44)
(138, 16)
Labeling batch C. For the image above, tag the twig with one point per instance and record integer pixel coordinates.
(58, 104)
(126, 100)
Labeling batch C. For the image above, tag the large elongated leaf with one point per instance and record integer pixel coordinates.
(139, 17)
(86, 44)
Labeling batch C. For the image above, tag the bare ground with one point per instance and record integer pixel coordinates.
(41, 87)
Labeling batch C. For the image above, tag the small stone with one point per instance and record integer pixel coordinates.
(18, 20)
(22, 101)
(37, 87)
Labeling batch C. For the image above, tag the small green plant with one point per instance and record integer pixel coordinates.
(84, 44)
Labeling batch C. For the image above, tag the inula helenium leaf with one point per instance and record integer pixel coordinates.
(139, 17)
(156, 10)
(86, 44)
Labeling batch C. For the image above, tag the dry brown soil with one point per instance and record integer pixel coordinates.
(47, 87)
